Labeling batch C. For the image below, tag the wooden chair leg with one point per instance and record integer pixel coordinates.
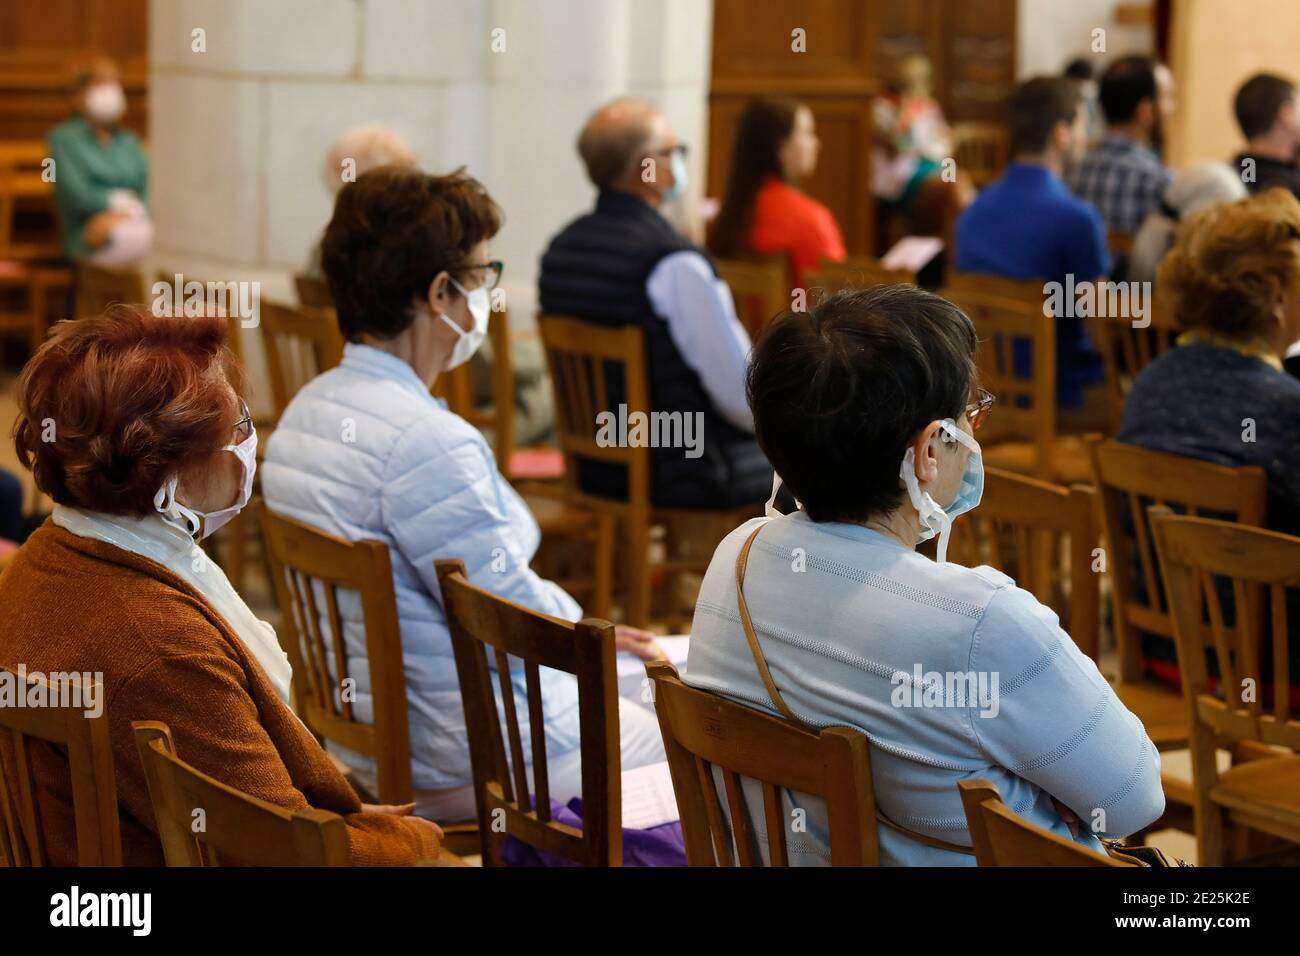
(602, 566)
(637, 609)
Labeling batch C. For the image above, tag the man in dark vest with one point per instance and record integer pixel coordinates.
(624, 264)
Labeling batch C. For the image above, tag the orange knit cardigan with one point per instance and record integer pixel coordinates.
(77, 604)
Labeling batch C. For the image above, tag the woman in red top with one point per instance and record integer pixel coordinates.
(764, 212)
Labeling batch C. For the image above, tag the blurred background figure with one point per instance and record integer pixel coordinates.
(1079, 72)
(1195, 188)
(1265, 107)
(764, 211)
(101, 173)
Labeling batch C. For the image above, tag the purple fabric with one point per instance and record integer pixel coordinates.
(658, 846)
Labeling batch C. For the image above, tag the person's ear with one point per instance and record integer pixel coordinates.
(439, 295)
(1146, 113)
(926, 464)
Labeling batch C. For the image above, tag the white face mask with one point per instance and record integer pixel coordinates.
(467, 343)
(174, 512)
(105, 102)
(934, 519)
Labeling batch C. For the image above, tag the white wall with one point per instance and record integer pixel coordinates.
(1050, 33)
(238, 133)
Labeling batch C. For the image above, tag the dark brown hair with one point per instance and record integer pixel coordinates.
(1258, 102)
(392, 232)
(1034, 109)
(111, 407)
(766, 123)
(839, 392)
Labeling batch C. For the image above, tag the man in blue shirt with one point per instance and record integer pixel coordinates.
(1028, 225)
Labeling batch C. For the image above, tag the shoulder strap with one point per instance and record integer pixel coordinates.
(761, 662)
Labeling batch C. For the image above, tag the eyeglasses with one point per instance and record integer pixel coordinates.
(494, 270)
(978, 411)
(243, 427)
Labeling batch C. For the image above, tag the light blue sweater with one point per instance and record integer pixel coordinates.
(846, 615)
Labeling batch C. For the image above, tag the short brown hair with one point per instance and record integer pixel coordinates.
(392, 232)
(1034, 109)
(1230, 262)
(111, 407)
(1258, 102)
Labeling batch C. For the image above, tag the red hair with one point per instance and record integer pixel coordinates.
(110, 407)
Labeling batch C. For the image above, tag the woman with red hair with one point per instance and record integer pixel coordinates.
(129, 423)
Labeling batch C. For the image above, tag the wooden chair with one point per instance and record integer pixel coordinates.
(98, 287)
(1002, 837)
(300, 343)
(1022, 433)
(313, 291)
(583, 357)
(1120, 243)
(1264, 570)
(27, 199)
(980, 150)
(1126, 350)
(1041, 535)
(84, 742)
(703, 732)
(1128, 479)
(42, 295)
(856, 272)
(481, 623)
(309, 567)
(761, 288)
(203, 822)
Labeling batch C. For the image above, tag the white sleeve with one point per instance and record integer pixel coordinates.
(702, 321)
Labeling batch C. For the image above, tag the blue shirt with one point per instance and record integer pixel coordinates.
(1027, 225)
(841, 611)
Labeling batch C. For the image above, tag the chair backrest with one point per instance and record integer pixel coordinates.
(1119, 243)
(761, 288)
(203, 822)
(856, 272)
(1127, 348)
(98, 287)
(300, 343)
(584, 359)
(309, 568)
(313, 291)
(456, 388)
(62, 722)
(1009, 316)
(980, 149)
(481, 624)
(1002, 837)
(24, 190)
(1128, 480)
(703, 731)
(1042, 535)
(1263, 568)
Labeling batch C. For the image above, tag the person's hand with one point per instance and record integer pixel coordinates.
(1069, 816)
(100, 225)
(640, 643)
(402, 810)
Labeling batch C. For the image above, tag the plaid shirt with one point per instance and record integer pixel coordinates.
(1123, 180)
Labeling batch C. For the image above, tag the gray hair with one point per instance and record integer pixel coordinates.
(1195, 188)
(368, 147)
(614, 140)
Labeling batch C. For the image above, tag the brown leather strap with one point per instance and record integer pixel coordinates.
(742, 560)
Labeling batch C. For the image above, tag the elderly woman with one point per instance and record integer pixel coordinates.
(152, 450)
(1197, 187)
(364, 452)
(866, 407)
(1233, 283)
(101, 180)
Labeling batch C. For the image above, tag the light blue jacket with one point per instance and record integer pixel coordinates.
(363, 451)
(846, 615)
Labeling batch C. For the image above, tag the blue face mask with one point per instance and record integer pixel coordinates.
(679, 177)
(936, 520)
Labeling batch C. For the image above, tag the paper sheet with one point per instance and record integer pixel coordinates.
(648, 799)
(674, 645)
